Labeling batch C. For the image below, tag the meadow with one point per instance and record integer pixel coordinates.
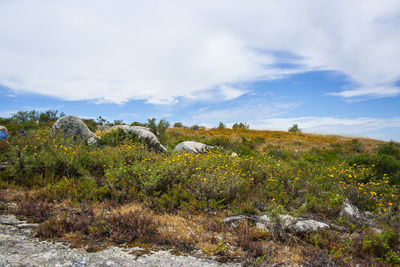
(120, 192)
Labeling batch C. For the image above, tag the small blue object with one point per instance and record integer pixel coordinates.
(3, 135)
(22, 132)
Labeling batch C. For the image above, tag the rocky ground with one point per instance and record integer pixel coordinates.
(19, 247)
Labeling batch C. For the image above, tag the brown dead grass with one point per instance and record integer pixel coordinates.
(300, 142)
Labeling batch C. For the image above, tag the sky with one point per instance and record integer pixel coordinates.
(332, 67)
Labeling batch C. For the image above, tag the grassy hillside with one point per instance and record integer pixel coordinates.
(121, 192)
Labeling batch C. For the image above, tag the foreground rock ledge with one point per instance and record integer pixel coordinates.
(18, 247)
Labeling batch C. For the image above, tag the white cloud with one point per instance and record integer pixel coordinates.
(376, 91)
(331, 125)
(162, 50)
(249, 111)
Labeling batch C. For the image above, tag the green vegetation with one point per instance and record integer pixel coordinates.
(240, 125)
(295, 129)
(175, 189)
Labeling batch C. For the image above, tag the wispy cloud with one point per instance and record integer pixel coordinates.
(247, 111)
(374, 92)
(331, 125)
(160, 51)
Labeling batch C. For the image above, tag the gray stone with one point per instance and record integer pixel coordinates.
(376, 230)
(143, 135)
(3, 129)
(309, 226)
(192, 147)
(368, 215)
(93, 140)
(285, 222)
(350, 212)
(234, 221)
(73, 126)
(103, 127)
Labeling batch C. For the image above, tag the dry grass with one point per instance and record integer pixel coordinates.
(300, 142)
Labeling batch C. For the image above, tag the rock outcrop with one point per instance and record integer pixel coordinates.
(192, 147)
(93, 140)
(143, 135)
(72, 126)
(279, 223)
(19, 247)
(350, 212)
(309, 226)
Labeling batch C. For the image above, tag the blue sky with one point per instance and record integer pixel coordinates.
(329, 66)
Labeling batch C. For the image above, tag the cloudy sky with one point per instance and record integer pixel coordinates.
(332, 67)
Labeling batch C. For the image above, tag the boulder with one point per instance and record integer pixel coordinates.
(3, 129)
(266, 223)
(103, 127)
(235, 221)
(309, 226)
(143, 135)
(93, 140)
(289, 223)
(130, 129)
(192, 146)
(350, 212)
(74, 126)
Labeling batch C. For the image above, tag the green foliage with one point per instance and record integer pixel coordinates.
(294, 129)
(195, 127)
(380, 245)
(388, 161)
(136, 123)
(158, 129)
(29, 120)
(321, 155)
(240, 125)
(221, 125)
(178, 124)
(117, 137)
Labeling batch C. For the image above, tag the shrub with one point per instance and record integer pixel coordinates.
(178, 124)
(117, 137)
(158, 129)
(240, 125)
(294, 129)
(195, 127)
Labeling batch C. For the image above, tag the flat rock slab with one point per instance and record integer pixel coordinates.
(18, 247)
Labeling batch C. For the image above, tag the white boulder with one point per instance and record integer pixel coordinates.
(72, 125)
(192, 146)
(350, 212)
(309, 226)
(143, 135)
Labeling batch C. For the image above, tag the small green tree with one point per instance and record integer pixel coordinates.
(178, 124)
(221, 125)
(295, 129)
(158, 129)
(240, 125)
(194, 127)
